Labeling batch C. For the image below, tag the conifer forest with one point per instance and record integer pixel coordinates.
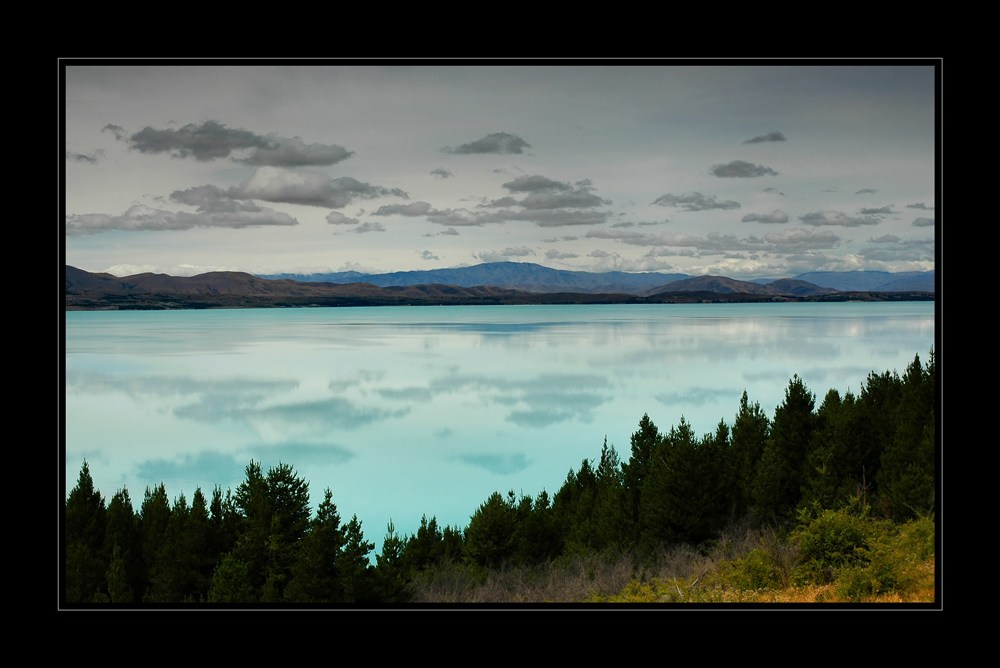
(833, 495)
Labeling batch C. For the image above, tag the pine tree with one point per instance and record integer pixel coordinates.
(906, 477)
(781, 471)
(154, 517)
(316, 576)
(677, 501)
(635, 471)
(86, 525)
(610, 510)
(389, 568)
(356, 566)
(123, 533)
(540, 537)
(490, 536)
(119, 589)
(747, 441)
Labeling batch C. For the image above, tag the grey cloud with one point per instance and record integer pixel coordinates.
(282, 152)
(639, 239)
(770, 136)
(923, 222)
(337, 218)
(138, 218)
(799, 239)
(742, 169)
(615, 262)
(460, 217)
(542, 218)
(715, 243)
(369, 227)
(501, 256)
(207, 141)
(836, 218)
(557, 218)
(212, 140)
(885, 239)
(498, 203)
(576, 199)
(212, 199)
(498, 142)
(451, 231)
(441, 173)
(411, 209)
(864, 191)
(553, 254)
(920, 205)
(893, 254)
(535, 183)
(695, 202)
(884, 210)
(427, 255)
(117, 130)
(83, 157)
(776, 216)
(273, 184)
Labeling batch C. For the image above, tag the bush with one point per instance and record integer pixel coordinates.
(753, 572)
(833, 541)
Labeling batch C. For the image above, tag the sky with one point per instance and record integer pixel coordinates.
(743, 170)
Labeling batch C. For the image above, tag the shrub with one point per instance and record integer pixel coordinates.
(834, 540)
(753, 572)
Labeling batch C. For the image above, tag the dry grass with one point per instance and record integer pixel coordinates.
(680, 574)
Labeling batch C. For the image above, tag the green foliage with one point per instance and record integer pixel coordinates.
(780, 474)
(749, 436)
(490, 536)
(834, 540)
(154, 516)
(316, 576)
(86, 525)
(119, 589)
(610, 521)
(677, 501)
(231, 582)
(356, 570)
(754, 572)
(889, 560)
(635, 471)
(906, 478)
(389, 568)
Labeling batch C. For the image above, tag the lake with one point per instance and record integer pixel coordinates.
(403, 411)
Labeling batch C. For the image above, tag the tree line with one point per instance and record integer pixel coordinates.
(262, 544)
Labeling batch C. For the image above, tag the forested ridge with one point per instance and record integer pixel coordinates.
(847, 485)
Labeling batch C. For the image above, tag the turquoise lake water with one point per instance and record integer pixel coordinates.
(403, 411)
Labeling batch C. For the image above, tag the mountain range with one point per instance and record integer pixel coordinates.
(228, 289)
(536, 278)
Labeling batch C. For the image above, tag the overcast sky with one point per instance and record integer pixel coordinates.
(727, 170)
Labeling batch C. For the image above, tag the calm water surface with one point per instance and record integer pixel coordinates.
(403, 411)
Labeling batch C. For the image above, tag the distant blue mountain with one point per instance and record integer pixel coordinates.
(536, 278)
(871, 281)
(512, 275)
